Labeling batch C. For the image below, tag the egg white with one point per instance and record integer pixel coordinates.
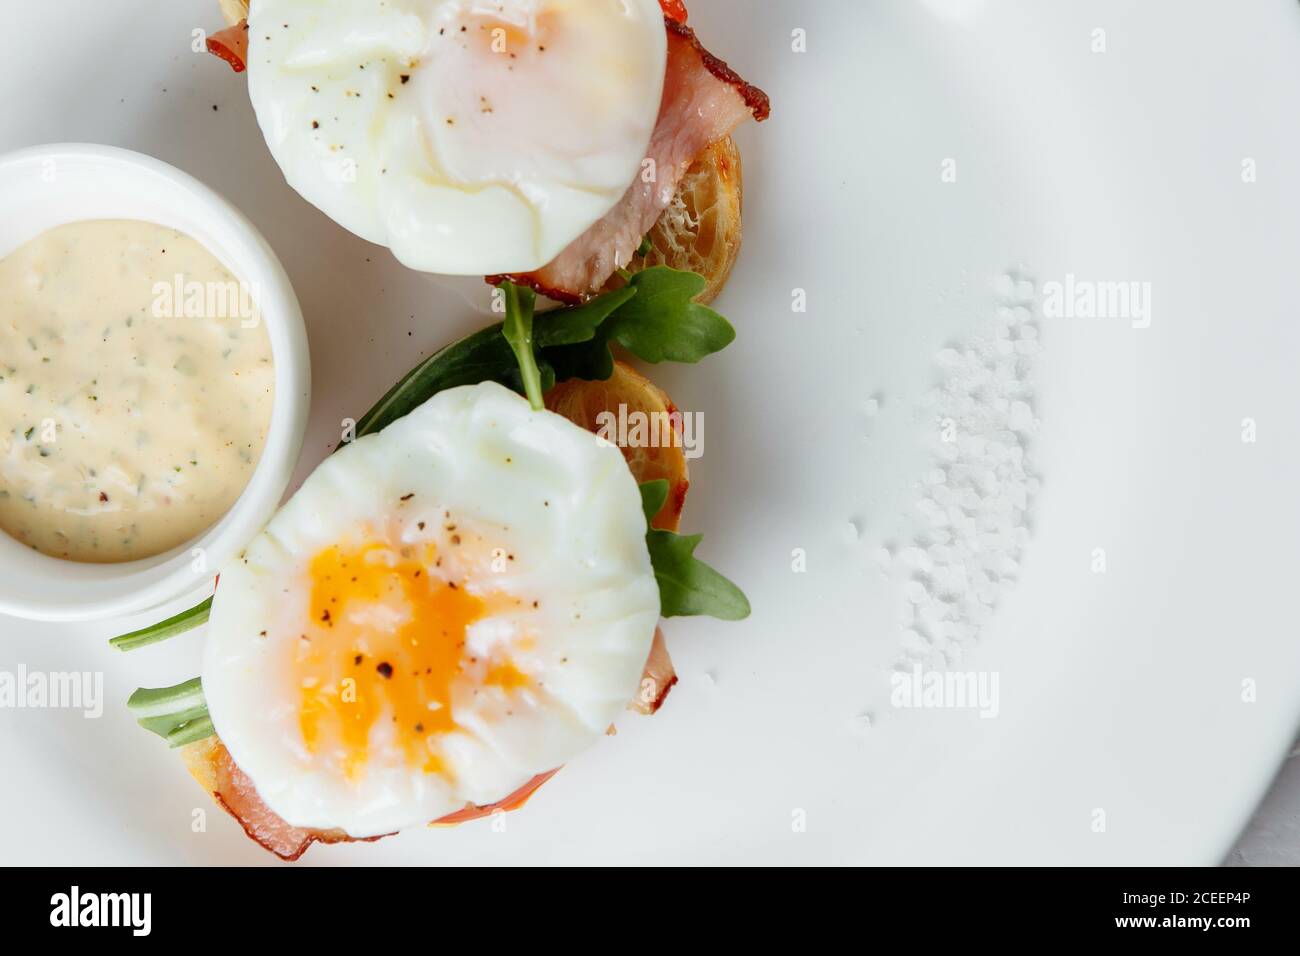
(579, 620)
(472, 137)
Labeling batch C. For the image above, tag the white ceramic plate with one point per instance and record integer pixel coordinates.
(1120, 692)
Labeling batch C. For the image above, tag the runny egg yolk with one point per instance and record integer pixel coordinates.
(385, 642)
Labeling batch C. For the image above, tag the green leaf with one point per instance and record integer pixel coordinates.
(591, 361)
(658, 323)
(688, 586)
(178, 714)
(177, 624)
(518, 331)
(164, 725)
(149, 702)
(653, 495)
(484, 356)
(662, 323)
(579, 323)
(200, 728)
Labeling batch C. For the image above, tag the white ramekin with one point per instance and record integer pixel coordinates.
(46, 186)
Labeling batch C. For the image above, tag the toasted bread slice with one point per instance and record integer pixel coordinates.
(700, 229)
(583, 403)
(200, 760)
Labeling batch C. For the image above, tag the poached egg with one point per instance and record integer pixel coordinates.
(472, 137)
(442, 611)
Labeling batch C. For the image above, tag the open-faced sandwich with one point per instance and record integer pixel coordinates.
(553, 142)
(467, 594)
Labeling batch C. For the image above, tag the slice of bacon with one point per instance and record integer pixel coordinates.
(234, 791)
(231, 44)
(674, 10)
(703, 101)
(512, 802)
(657, 679)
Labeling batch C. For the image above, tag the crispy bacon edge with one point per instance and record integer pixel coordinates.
(758, 103)
(233, 791)
(231, 44)
(657, 679)
(674, 10)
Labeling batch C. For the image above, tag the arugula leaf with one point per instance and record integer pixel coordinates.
(590, 360)
(486, 356)
(579, 323)
(688, 586)
(483, 356)
(197, 728)
(518, 331)
(176, 624)
(662, 323)
(659, 322)
(653, 495)
(178, 714)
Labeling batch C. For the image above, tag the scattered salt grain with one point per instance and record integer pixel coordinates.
(972, 513)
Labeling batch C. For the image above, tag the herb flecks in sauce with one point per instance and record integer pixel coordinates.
(112, 393)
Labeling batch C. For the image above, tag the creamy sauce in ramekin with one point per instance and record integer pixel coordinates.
(136, 386)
